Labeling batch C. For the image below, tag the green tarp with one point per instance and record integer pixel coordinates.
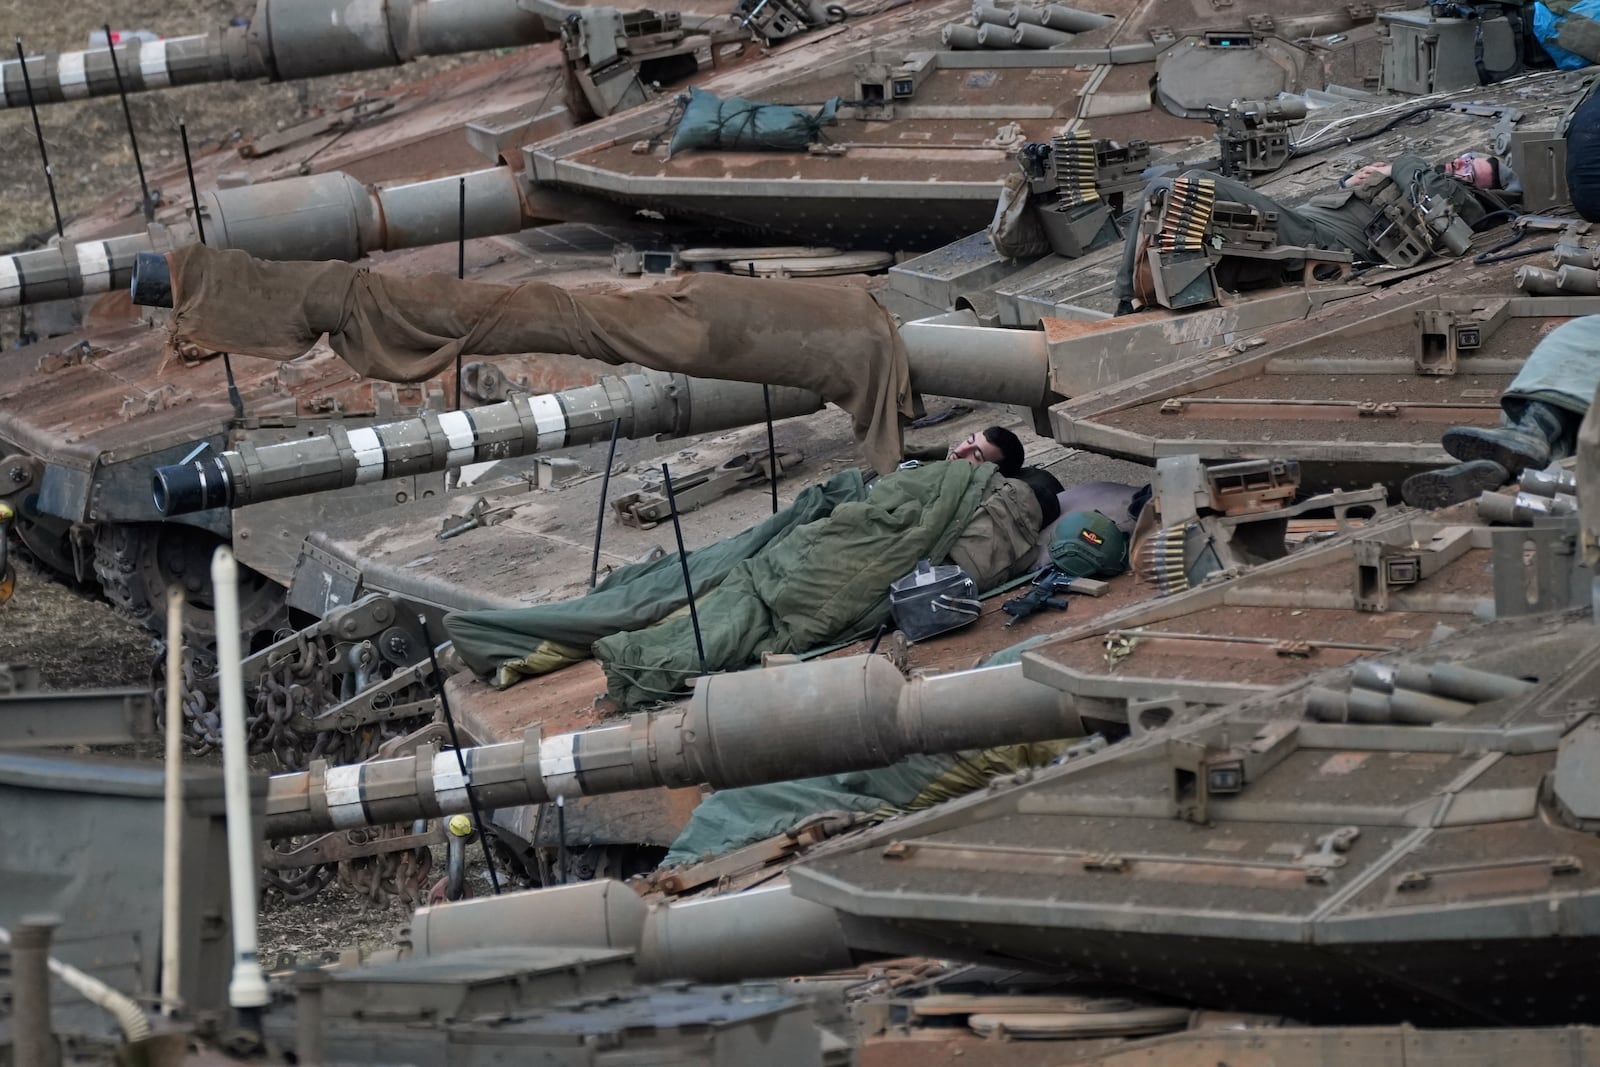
(823, 582)
(816, 572)
(514, 642)
(736, 125)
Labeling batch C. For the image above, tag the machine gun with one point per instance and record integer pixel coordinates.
(1253, 135)
(1048, 590)
(1409, 228)
(775, 20)
(1077, 183)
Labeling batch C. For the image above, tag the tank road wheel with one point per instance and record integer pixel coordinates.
(137, 562)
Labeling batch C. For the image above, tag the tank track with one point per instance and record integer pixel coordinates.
(135, 564)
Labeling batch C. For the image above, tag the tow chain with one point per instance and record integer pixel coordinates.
(347, 689)
(334, 691)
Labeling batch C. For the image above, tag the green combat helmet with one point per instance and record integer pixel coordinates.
(1089, 545)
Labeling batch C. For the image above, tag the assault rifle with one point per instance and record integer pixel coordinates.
(1048, 590)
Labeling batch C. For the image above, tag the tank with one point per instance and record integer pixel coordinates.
(1349, 754)
(1390, 885)
(63, 469)
(1355, 805)
(918, 118)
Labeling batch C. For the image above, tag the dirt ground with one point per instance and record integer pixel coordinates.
(74, 639)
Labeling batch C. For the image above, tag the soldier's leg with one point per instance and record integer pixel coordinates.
(1533, 434)
(1131, 243)
(1541, 411)
(1543, 405)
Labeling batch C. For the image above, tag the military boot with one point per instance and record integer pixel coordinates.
(1451, 485)
(1527, 443)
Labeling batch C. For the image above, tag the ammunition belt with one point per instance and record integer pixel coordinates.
(1072, 155)
(1187, 215)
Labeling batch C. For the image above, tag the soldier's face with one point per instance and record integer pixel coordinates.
(1474, 170)
(976, 449)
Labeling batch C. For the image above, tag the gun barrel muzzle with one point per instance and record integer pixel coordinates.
(194, 485)
(151, 285)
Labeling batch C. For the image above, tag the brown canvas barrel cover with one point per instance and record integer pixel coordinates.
(834, 341)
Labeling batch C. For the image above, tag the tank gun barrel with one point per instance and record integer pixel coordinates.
(646, 404)
(766, 932)
(945, 358)
(287, 40)
(333, 217)
(941, 357)
(745, 728)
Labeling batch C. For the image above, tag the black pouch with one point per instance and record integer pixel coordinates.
(931, 600)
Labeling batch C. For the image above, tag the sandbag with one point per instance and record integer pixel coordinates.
(736, 124)
(1015, 231)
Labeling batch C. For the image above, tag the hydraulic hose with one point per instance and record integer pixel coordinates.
(130, 1017)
